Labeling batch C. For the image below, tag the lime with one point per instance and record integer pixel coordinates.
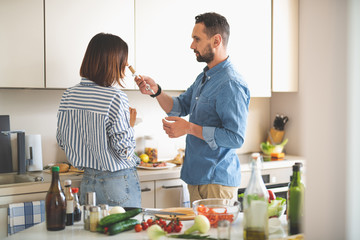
(144, 157)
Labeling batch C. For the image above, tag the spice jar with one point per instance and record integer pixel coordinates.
(94, 218)
(87, 217)
(224, 230)
(90, 198)
(104, 210)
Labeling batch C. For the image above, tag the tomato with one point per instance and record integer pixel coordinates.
(177, 228)
(150, 221)
(144, 225)
(168, 229)
(271, 195)
(138, 228)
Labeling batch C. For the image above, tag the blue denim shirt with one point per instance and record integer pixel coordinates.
(220, 105)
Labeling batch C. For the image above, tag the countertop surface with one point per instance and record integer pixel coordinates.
(76, 232)
(150, 175)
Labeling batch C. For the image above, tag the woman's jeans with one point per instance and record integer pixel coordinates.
(121, 188)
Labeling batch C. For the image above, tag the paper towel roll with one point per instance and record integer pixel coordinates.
(33, 141)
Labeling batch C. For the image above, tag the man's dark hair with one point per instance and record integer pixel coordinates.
(215, 24)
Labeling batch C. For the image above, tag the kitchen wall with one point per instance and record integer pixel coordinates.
(35, 112)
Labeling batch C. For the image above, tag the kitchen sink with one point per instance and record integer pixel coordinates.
(13, 178)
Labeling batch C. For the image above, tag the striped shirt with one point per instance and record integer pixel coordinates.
(94, 129)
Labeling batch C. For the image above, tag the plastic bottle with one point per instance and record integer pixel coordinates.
(255, 204)
(55, 204)
(69, 203)
(295, 202)
(77, 209)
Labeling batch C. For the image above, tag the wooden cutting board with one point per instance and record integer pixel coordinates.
(190, 215)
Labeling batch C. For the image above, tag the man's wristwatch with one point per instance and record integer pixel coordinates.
(157, 93)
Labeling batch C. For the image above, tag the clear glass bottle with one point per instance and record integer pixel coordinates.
(94, 218)
(255, 203)
(87, 217)
(104, 210)
(55, 203)
(77, 209)
(295, 202)
(69, 203)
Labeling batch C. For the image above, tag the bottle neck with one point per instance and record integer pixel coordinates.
(296, 177)
(55, 181)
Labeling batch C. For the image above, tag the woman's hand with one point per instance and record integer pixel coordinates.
(133, 114)
(142, 81)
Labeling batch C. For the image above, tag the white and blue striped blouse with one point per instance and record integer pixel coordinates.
(94, 129)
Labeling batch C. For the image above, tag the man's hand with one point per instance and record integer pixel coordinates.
(177, 127)
(141, 81)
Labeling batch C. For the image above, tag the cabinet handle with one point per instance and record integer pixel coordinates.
(168, 187)
(146, 189)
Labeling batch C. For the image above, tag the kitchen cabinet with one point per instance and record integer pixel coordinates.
(168, 193)
(285, 47)
(163, 39)
(147, 194)
(70, 25)
(21, 44)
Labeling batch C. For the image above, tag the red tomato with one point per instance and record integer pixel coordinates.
(271, 195)
(144, 225)
(177, 228)
(149, 222)
(138, 228)
(168, 229)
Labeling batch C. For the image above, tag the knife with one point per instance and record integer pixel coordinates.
(153, 212)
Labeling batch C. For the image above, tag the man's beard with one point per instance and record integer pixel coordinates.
(207, 57)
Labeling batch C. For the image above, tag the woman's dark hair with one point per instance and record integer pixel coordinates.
(215, 24)
(105, 60)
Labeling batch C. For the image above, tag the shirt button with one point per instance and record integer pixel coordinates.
(196, 98)
(209, 77)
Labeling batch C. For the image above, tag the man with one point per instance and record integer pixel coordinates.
(217, 104)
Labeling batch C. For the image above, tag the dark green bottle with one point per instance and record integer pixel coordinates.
(295, 203)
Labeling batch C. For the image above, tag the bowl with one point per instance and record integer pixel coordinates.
(216, 209)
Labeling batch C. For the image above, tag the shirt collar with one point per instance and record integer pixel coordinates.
(209, 72)
(87, 82)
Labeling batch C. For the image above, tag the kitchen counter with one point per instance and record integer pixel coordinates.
(76, 232)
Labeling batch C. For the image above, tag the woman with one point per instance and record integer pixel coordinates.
(94, 126)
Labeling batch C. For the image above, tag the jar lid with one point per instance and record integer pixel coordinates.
(67, 182)
(104, 206)
(87, 207)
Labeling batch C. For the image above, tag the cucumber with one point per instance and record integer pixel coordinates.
(122, 226)
(118, 217)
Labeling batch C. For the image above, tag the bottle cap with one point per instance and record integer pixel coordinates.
(296, 167)
(67, 182)
(75, 190)
(255, 155)
(55, 169)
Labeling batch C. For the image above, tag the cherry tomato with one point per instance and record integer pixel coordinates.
(168, 229)
(149, 222)
(138, 228)
(144, 225)
(177, 228)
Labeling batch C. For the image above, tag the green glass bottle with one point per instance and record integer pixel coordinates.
(295, 202)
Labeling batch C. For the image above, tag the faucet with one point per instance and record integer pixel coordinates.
(22, 161)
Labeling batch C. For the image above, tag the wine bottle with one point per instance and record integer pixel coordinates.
(55, 204)
(255, 204)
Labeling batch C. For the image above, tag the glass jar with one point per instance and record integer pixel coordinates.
(104, 210)
(87, 217)
(151, 149)
(94, 218)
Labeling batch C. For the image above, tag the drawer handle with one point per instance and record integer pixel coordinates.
(146, 189)
(168, 187)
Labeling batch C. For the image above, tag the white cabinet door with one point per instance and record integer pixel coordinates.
(163, 39)
(147, 194)
(168, 193)
(21, 44)
(70, 25)
(285, 72)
